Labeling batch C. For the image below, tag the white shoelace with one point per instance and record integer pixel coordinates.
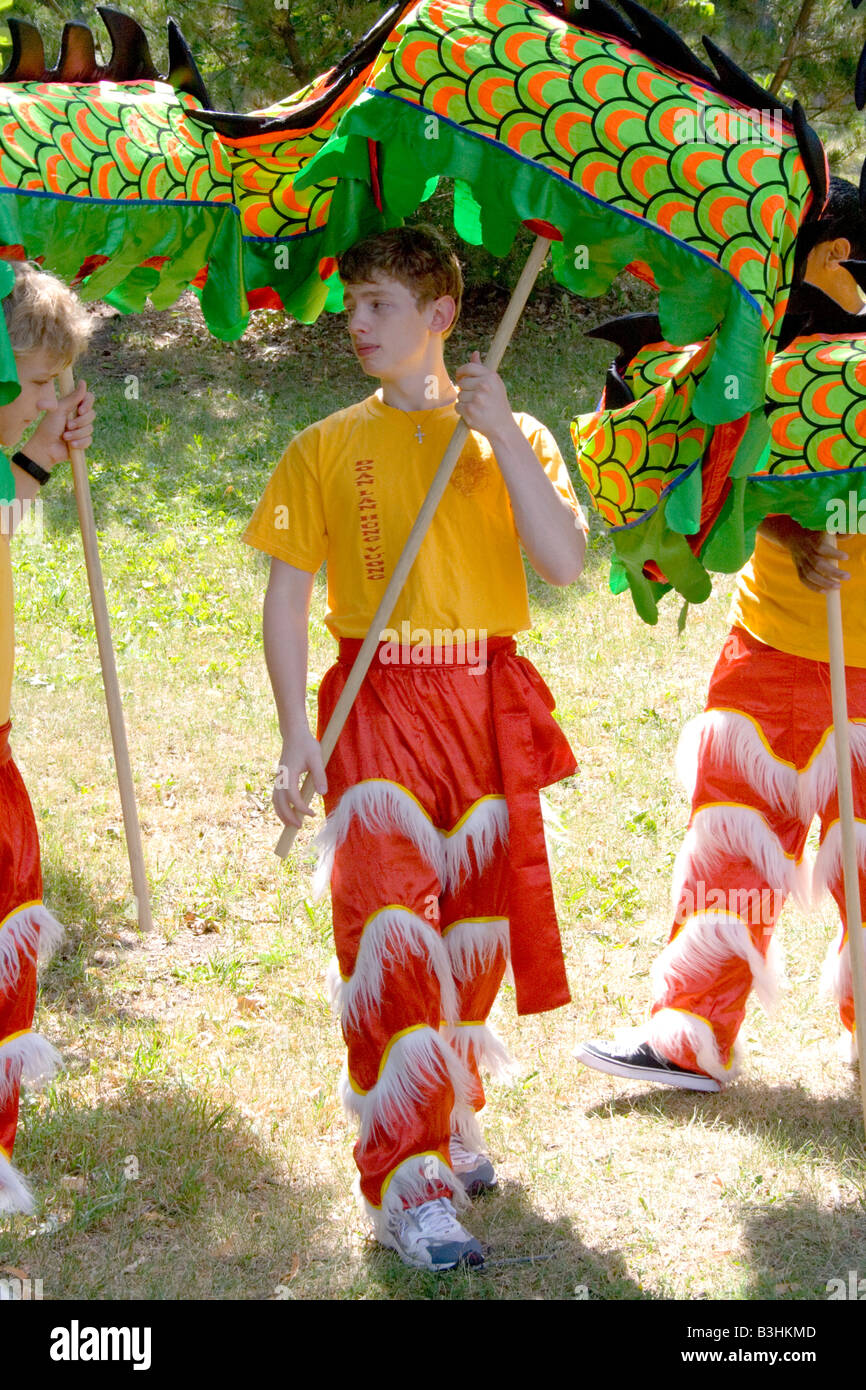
(436, 1218)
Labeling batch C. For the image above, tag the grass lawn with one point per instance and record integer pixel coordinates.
(194, 1146)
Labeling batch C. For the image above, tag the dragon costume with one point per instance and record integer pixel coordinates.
(599, 124)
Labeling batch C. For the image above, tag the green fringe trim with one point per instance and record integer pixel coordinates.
(660, 536)
(653, 539)
(496, 191)
(818, 501)
(63, 232)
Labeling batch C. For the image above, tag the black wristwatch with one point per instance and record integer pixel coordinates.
(28, 466)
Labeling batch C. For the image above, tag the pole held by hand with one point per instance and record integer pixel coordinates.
(847, 824)
(104, 642)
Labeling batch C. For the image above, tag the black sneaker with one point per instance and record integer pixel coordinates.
(642, 1063)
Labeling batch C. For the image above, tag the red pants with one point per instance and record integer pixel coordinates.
(765, 766)
(423, 896)
(27, 933)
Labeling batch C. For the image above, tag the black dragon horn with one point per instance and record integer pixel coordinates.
(860, 81)
(602, 18)
(27, 63)
(738, 84)
(183, 73)
(812, 154)
(130, 59)
(77, 61)
(235, 126)
(659, 41)
(630, 333)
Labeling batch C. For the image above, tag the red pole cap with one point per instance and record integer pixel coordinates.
(545, 229)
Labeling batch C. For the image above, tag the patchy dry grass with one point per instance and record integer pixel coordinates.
(194, 1147)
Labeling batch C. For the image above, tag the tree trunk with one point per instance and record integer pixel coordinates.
(800, 27)
(285, 31)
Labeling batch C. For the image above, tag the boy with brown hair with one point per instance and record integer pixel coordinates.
(433, 840)
(48, 329)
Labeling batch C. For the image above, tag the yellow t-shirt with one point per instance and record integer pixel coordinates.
(7, 630)
(772, 604)
(347, 491)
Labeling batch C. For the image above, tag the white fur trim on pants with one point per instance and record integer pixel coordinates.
(416, 1063)
(464, 1122)
(707, 942)
(395, 933)
(720, 832)
(409, 1185)
(29, 1058)
(386, 806)
(836, 980)
(728, 736)
(828, 864)
(491, 1054)
(670, 1030)
(15, 1195)
(33, 932)
(473, 944)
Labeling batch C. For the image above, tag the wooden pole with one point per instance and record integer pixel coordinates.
(502, 338)
(853, 910)
(109, 676)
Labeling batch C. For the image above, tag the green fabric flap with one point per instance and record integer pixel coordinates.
(653, 539)
(63, 231)
(598, 241)
(683, 510)
(9, 384)
(7, 481)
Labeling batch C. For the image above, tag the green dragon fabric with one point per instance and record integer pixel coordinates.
(803, 455)
(628, 457)
(127, 190)
(9, 384)
(113, 187)
(641, 466)
(814, 466)
(537, 119)
(116, 188)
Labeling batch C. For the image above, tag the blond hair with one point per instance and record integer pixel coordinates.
(43, 314)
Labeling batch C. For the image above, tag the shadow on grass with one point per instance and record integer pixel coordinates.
(822, 1129)
(91, 917)
(75, 898)
(527, 1256)
(795, 1245)
(797, 1248)
(164, 1193)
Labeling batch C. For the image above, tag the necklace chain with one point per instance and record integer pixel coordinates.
(419, 433)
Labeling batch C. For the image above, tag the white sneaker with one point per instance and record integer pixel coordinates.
(474, 1170)
(431, 1237)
